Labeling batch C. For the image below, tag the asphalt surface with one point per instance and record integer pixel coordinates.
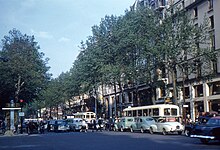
(103, 141)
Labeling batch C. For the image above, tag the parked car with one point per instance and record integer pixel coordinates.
(166, 125)
(208, 131)
(77, 124)
(123, 123)
(142, 124)
(61, 125)
(201, 121)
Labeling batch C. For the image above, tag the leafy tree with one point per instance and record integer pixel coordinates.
(26, 65)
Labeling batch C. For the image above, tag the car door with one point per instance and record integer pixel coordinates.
(139, 123)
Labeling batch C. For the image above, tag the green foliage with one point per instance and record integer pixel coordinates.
(129, 49)
(25, 61)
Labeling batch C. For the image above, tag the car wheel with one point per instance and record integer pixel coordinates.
(164, 132)
(74, 129)
(187, 132)
(180, 133)
(131, 129)
(205, 141)
(142, 130)
(151, 131)
(121, 129)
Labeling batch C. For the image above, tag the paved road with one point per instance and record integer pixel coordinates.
(103, 141)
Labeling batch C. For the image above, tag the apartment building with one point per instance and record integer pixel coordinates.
(199, 95)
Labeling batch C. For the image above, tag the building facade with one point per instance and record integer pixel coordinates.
(198, 95)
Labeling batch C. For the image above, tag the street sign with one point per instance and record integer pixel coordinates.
(21, 114)
(185, 106)
(11, 108)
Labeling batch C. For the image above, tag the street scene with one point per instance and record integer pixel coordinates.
(107, 140)
(109, 74)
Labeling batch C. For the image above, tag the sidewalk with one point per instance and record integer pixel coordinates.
(9, 133)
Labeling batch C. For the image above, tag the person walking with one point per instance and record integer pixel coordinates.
(94, 125)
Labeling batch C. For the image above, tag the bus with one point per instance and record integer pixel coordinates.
(154, 111)
(88, 116)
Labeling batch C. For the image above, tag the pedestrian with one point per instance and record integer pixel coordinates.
(93, 125)
(41, 125)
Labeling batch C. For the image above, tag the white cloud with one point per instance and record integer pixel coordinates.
(64, 39)
(42, 34)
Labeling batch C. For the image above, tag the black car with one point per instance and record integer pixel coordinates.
(208, 131)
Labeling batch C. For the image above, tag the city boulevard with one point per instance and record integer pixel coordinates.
(106, 140)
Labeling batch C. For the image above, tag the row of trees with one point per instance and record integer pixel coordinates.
(121, 50)
(129, 49)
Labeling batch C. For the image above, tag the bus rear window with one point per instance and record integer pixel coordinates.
(174, 111)
(167, 111)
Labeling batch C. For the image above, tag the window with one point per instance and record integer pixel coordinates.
(166, 111)
(134, 113)
(156, 112)
(211, 22)
(139, 112)
(145, 111)
(210, 4)
(195, 12)
(173, 111)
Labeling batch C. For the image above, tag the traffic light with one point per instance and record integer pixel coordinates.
(21, 102)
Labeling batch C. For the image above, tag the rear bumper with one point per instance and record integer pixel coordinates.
(203, 137)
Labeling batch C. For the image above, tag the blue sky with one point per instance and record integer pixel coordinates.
(58, 25)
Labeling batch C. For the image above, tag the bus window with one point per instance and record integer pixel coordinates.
(156, 112)
(174, 111)
(140, 113)
(145, 112)
(150, 112)
(129, 114)
(134, 113)
(167, 111)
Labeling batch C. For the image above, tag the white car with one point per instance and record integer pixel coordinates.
(77, 124)
(166, 125)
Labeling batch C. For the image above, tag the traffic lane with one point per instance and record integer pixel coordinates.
(102, 140)
(171, 141)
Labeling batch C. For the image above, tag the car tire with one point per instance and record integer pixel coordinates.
(142, 130)
(179, 132)
(187, 132)
(121, 129)
(151, 131)
(74, 129)
(205, 141)
(164, 132)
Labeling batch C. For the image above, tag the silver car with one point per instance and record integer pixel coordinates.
(142, 124)
(77, 124)
(167, 125)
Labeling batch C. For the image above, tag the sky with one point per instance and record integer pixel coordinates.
(58, 25)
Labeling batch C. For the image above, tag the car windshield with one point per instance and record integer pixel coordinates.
(213, 122)
(149, 119)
